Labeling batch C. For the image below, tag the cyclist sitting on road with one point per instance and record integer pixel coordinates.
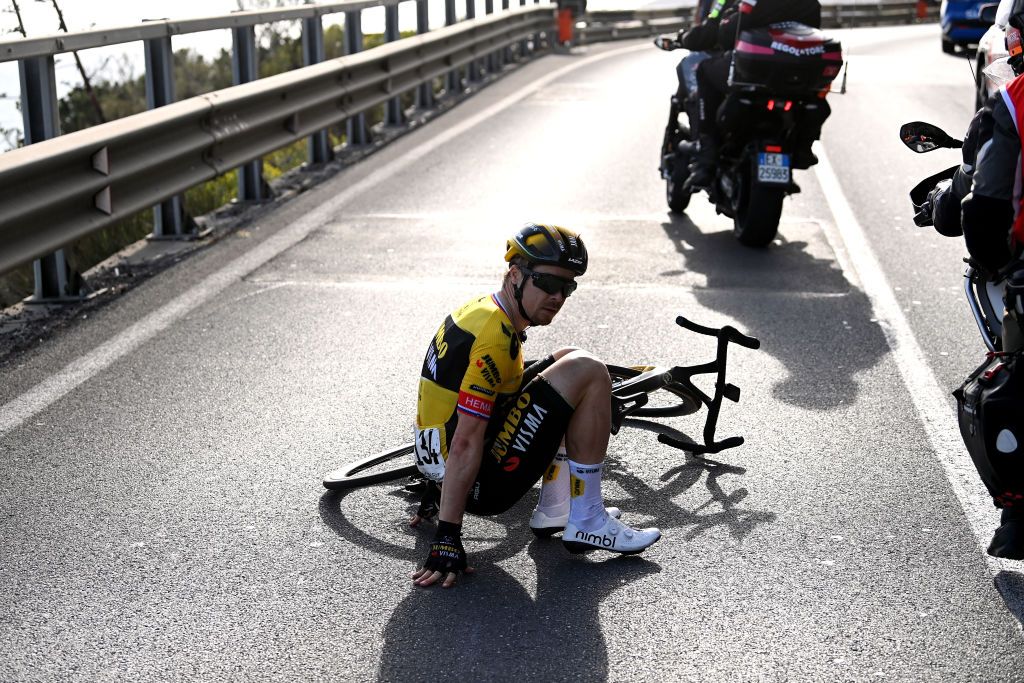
(491, 430)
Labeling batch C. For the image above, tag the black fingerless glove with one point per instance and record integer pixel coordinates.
(446, 552)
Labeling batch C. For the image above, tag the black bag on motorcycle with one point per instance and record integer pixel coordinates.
(990, 408)
(787, 58)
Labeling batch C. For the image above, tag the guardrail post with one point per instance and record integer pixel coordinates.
(168, 216)
(425, 93)
(536, 36)
(318, 144)
(54, 280)
(393, 115)
(243, 70)
(506, 54)
(492, 57)
(524, 44)
(453, 83)
(474, 66)
(356, 125)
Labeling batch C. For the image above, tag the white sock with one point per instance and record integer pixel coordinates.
(554, 487)
(586, 507)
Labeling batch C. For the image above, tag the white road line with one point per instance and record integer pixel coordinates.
(934, 409)
(38, 398)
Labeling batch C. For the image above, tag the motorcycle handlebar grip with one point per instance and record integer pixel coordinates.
(731, 333)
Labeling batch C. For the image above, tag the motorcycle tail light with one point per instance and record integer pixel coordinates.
(773, 149)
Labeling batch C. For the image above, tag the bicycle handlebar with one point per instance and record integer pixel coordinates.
(728, 332)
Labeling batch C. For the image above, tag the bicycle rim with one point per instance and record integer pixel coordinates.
(670, 400)
(384, 466)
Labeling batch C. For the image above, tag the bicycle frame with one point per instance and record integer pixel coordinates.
(632, 393)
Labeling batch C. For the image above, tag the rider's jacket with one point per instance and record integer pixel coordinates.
(993, 214)
(474, 359)
(751, 14)
(720, 33)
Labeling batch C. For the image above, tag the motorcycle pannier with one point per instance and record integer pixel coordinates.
(787, 58)
(991, 412)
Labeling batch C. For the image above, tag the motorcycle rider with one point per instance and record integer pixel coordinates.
(713, 74)
(707, 15)
(992, 220)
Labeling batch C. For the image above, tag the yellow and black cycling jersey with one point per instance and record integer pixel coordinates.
(474, 359)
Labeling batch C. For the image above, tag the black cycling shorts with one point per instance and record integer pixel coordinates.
(521, 441)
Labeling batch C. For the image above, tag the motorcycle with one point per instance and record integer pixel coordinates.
(984, 296)
(778, 79)
(990, 402)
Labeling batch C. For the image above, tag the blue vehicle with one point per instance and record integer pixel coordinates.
(961, 23)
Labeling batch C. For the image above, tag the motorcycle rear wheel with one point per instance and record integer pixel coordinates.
(758, 211)
(676, 195)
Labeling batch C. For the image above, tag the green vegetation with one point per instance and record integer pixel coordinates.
(278, 51)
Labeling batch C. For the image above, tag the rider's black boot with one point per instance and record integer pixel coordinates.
(1008, 541)
(702, 170)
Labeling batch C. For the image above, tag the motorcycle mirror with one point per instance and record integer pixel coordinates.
(925, 137)
(665, 42)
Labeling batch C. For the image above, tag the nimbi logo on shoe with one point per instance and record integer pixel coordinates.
(595, 539)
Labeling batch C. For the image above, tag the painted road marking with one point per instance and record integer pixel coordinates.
(929, 399)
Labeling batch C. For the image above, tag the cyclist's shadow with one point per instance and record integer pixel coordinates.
(492, 628)
(488, 627)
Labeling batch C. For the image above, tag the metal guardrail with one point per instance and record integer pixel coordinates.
(23, 48)
(61, 189)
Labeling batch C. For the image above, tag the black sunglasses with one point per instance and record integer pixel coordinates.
(552, 284)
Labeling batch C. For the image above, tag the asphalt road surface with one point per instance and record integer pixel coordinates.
(161, 511)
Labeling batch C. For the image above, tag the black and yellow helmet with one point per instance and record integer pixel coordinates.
(548, 245)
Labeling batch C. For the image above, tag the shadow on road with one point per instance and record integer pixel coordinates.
(824, 335)
(491, 626)
(1011, 586)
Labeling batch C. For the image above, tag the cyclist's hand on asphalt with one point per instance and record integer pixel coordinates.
(446, 559)
(429, 505)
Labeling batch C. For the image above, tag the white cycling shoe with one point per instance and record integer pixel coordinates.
(544, 526)
(613, 536)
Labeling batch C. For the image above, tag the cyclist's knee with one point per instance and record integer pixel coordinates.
(579, 367)
(565, 351)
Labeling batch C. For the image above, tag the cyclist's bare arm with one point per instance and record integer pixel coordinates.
(464, 453)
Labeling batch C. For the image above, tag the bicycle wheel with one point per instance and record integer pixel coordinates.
(671, 400)
(385, 466)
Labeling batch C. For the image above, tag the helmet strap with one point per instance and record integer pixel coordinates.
(518, 291)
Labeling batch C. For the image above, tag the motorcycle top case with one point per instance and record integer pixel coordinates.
(787, 58)
(990, 408)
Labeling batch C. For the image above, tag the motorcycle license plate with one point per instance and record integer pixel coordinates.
(773, 168)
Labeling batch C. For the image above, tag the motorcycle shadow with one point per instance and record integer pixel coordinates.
(796, 299)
